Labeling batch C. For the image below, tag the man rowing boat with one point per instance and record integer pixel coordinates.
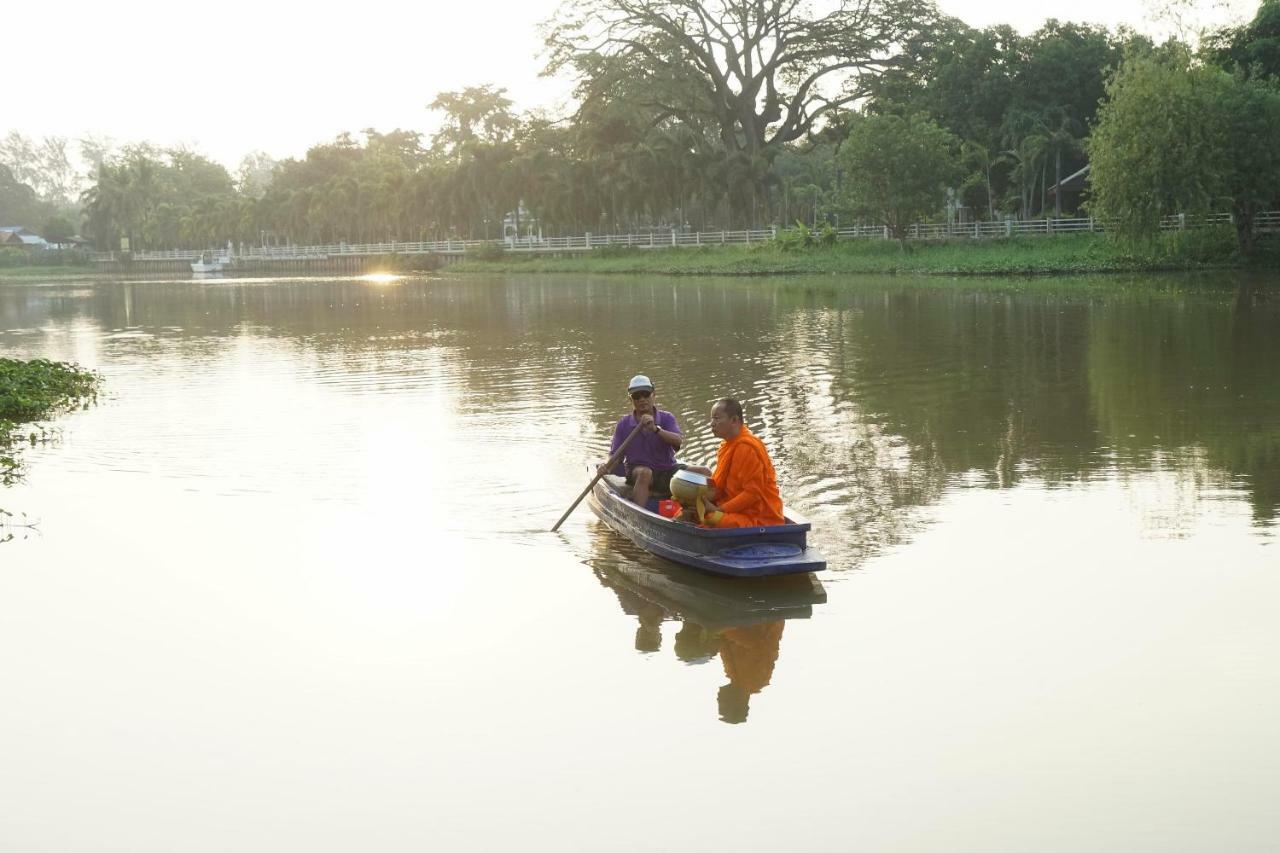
(650, 459)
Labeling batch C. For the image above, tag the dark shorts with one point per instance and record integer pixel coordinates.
(661, 484)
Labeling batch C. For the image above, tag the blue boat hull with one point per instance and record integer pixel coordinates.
(741, 552)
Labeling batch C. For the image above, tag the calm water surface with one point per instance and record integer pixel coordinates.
(290, 587)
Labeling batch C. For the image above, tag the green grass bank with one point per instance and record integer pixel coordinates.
(22, 265)
(24, 274)
(1049, 255)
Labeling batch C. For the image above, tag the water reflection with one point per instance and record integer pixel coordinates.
(739, 622)
(874, 397)
(303, 539)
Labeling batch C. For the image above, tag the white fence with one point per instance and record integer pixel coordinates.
(1267, 221)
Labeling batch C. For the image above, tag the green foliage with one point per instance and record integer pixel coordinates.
(1020, 103)
(58, 229)
(164, 199)
(19, 204)
(745, 79)
(657, 141)
(614, 250)
(803, 237)
(10, 258)
(899, 169)
(1177, 136)
(1016, 256)
(1253, 49)
(793, 239)
(32, 391)
(487, 252)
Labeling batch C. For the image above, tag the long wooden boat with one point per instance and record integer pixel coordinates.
(740, 552)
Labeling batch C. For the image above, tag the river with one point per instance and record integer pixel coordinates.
(289, 585)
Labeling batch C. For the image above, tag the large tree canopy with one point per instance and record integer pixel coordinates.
(756, 73)
(899, 169)
(1253, 48)
(1178, 136)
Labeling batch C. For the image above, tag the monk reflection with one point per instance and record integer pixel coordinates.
(748, 654)
(740, 624)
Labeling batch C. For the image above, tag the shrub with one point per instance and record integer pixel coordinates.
(803, 237)
(614, 250)
(487, 252)
(793, 239)
(11, 257)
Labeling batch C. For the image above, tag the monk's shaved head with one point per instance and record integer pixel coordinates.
(730, 407)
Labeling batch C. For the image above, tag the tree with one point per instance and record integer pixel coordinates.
(18, 202)
(898, 169)
(44, 165)
(161, 199)
(1177, 136)
(1254, 48)
(254, 174)
(755, 74)
(474, 114)
(980, 160)
(58, 229)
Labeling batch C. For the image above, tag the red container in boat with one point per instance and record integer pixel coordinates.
(669, 508)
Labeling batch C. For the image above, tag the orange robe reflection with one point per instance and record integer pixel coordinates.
(748, 654)
(746, 485)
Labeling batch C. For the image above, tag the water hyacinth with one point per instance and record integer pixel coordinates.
(32, 391)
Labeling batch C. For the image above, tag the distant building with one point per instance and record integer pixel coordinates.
(1072, 190)
(19, 237)
(519, 220)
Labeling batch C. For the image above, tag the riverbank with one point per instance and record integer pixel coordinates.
(1051, 255)
(37, 273)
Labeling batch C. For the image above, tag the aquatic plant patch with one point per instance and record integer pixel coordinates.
(32, 391)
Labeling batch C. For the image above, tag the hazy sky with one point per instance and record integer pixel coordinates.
(239, 76)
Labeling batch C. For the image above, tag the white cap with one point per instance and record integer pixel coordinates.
(640, 382)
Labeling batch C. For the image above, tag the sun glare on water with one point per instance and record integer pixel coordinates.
(381, 278)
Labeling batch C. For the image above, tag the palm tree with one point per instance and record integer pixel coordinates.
(979, 158)
(1061, 137)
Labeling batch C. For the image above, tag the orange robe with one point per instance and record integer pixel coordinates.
(746, 486)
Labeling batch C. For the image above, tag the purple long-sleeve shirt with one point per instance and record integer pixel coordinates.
(647, 448)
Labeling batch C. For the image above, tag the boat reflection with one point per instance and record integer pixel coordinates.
(740, 622)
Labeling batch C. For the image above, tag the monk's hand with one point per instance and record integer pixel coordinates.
(647, 422)
(710, 505)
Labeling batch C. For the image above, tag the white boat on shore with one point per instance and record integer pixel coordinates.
(209, 262)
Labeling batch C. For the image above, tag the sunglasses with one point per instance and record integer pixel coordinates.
(641, 395)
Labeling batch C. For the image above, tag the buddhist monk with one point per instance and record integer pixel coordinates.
(746, 488)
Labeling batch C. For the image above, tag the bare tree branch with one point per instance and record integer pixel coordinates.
(764, 71)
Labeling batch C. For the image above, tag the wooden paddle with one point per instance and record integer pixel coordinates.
(608, 466)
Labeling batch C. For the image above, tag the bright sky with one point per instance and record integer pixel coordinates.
(238, 76)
